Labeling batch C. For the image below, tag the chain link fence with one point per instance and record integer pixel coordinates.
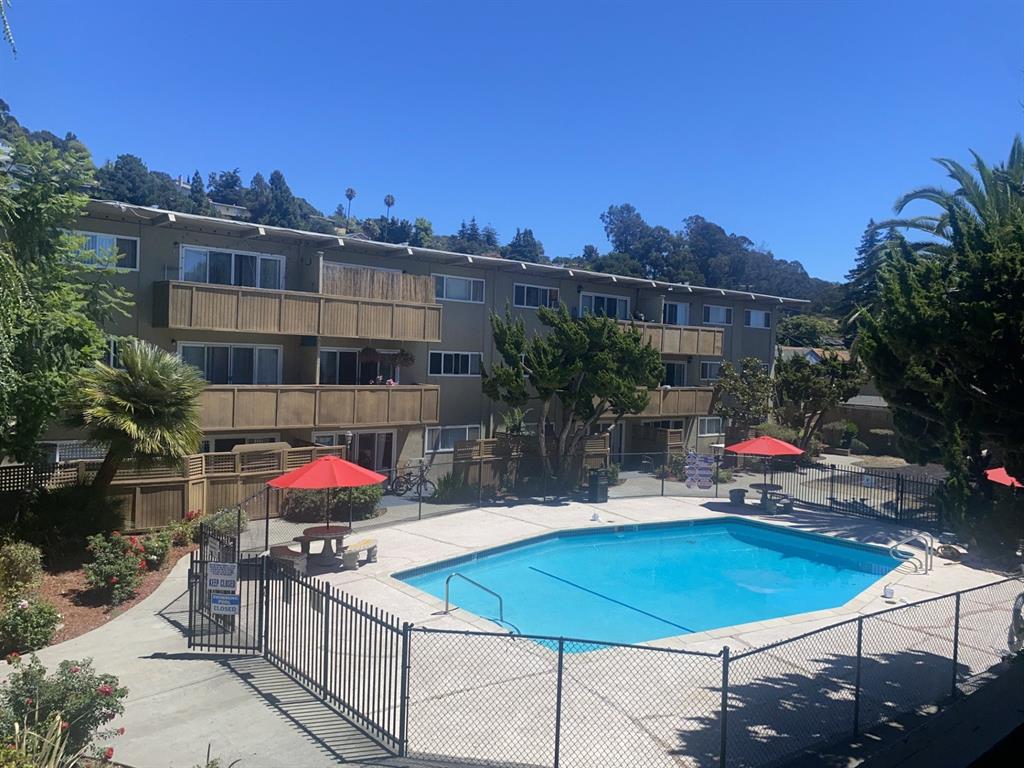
(521, 700)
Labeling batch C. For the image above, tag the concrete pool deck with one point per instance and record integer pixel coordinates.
(418, 543)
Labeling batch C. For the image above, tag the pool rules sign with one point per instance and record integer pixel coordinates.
(221, 585)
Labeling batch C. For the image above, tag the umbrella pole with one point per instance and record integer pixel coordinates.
(350, 512)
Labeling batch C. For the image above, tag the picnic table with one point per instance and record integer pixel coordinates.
(766, 490)
(333, 537)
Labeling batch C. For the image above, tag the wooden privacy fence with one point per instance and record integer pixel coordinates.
(486, 462)
(162, 494)
(338, 280)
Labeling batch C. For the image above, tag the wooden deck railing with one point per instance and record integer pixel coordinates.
(385, 285)
(286, 406)
(230, 308)
(675, 402)
(682, 339)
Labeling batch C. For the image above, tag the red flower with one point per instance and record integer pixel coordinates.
(114, 579)
(120, 731)
(75, 670)
(142, 564)
(108, 753)
(13, 657)
(105, 690)
(64, 725)
(28, 702)
(116, 533)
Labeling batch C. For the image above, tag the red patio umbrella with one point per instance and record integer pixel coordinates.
(999, 475)
(764, 446)
(328, 472)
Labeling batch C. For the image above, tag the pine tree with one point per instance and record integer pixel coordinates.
(197, 194)
(862, 280)
(524, 247)
(473, 231)
(284, 209)
(490, 236)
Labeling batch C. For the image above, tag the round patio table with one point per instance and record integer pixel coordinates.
(328, 534)
(765, 489)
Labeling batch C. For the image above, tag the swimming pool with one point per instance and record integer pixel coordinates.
(630, 584)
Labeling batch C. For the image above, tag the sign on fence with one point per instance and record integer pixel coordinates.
(225, 605)
(222, 577)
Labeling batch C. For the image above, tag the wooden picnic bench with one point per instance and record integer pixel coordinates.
(288, 556)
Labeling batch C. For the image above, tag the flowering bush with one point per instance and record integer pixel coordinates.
(155, 547)
(85, 700)
(186, 531)
(117, 568)
(229, 521)
(27, 624)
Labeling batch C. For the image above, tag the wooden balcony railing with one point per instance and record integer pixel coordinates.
(366, 283)
(682, 339)
(677, 402)
(301, 406)
(205, 307)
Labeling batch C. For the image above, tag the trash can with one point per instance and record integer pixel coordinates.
(597, 488)
(738, 496)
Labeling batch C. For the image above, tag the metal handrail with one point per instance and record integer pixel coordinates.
(929, 545)
(447, 586)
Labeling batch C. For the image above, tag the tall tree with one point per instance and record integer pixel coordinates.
(65, 294)
(807, 331)
(944, 342)
(258, 199)
(743, 396)
(126, 179)
(284, 209)
(524, 247)
(226, 187)
(146, 411)
(197, 194)
(579, 370)
(804, 391)
(350, 195)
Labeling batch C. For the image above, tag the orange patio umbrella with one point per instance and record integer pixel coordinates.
(328, 472)
(999, 475)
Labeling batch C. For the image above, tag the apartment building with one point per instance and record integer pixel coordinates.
(306, 338)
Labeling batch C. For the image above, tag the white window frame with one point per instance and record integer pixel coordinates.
(279, 258)
(709, 363)
(748, 315)
(605, 296)
(138, 246)
(702, 430)
(427, 442)
(338, 438)
(678, 305)
(444, 291)
(251, 438)
(430, 357)
(231, 359)
(60, 445)
(359, 363)
(547, 289)
(706, 314)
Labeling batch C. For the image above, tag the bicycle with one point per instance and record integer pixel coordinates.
(415, 480)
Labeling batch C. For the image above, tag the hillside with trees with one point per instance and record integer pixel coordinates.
(700, 252)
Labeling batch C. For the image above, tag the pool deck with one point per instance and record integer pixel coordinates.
(417, 543)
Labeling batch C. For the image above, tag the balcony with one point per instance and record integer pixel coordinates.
(682, 339)
(677, 402)
(303, 407)
(231, 308)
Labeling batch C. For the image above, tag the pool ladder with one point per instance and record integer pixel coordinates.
(478, 585)
(907, 557)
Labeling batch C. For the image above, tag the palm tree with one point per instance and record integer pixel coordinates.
(350, 193)
(389, 200)
(147, 410)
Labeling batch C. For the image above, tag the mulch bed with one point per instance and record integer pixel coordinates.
(64, 585)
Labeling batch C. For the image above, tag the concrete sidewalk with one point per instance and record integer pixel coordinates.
(179, 702)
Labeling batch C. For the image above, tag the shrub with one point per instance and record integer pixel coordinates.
(857, 447)
(721, 475)
(185, 532)
(155, 547)
(229, 521)
(613, 474)
(27, 624)
(45, 745)
(316, 506)
(451, 489)
(778, 431)
(60, 520)
(81, 697)
(663, 472)
(117, 567)
(839, 433)
(21, 568)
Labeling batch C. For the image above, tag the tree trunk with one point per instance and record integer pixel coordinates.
(107, 471)
(542, 432)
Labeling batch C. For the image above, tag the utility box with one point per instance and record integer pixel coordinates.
(597, 489)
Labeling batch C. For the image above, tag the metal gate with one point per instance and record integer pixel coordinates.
(226, 603)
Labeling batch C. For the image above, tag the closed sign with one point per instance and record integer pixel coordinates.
(222, 577)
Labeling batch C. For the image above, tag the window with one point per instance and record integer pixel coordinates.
(449, 288)
(254, 270)
(57, 451)
(224, 443)
(665, 424)
(710, 370)
(454, 364)
(443, 439)
(601, 304)
(675, 375)
(111, 356)
(344, 366)
(709, 426)
(675, 313)
(534, 296)
(757, 318)
(373, 450)
(234, 364)
(100, 249)
(715, 315)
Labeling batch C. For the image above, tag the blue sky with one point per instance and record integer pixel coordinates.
(791, 123)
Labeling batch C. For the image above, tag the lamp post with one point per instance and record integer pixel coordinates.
(348, 456)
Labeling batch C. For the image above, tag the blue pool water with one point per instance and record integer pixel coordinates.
(635, 583)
